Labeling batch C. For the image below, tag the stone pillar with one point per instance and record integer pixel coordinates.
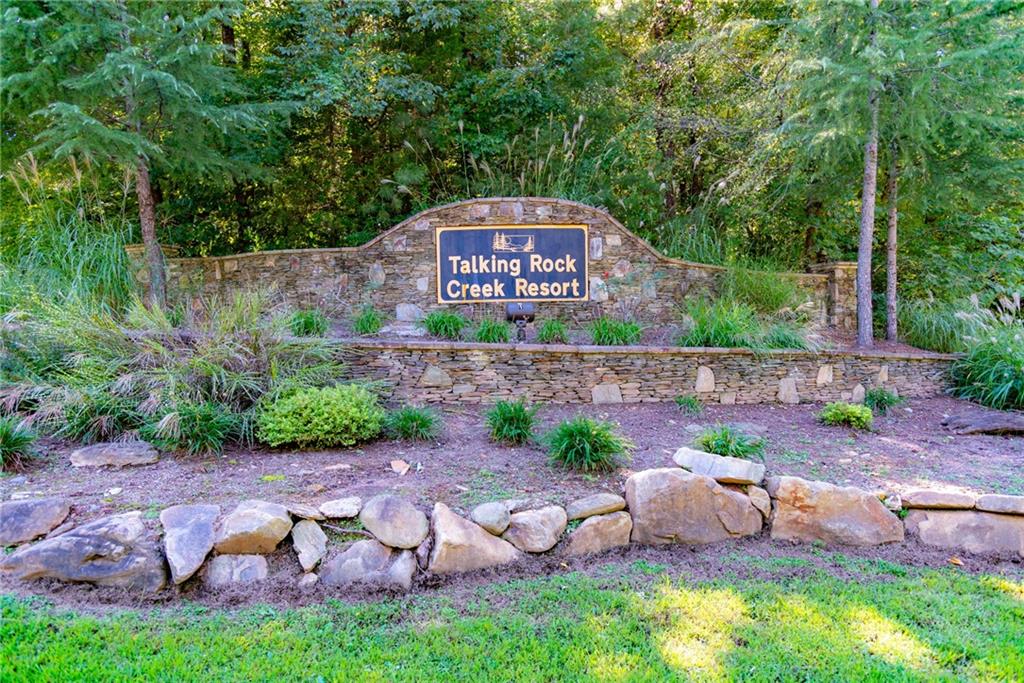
(842, 292)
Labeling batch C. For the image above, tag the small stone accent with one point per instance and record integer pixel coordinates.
(536, 531)
(787, 391)
(606, 393)
(310, 543)
(307, 581)
(596, 248)
(115, 454)
(434, 376)
(857, 395)
(494, 517)
(595, 504)
(1008, 505)
(599, 533)
(303, 511)
(723, 469)
(24, 520)
(408, 313)
(376, 277)
(188, 537)
(760, 499)
(342, 508)
(394, 521)
(228, 570)
(948, 500)
(705, 380)
(824, 375)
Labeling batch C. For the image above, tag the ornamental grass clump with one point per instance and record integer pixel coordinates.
(412, 423)
(493, 332)
(511, 422)
(326, 417)
(309, 323)
(992, 372)
(367, 321)
(587, 445)
(195, 428)
(552, 331)
(689, 404)
(17, 442)
(882, 400)
(607, 331)
(728, 441)
(846, 414)
(445, 324)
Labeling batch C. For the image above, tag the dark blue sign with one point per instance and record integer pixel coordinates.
(511, 263)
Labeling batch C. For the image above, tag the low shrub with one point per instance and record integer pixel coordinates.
(511, 422)
(552, 331)
(444, 324)
(194, 428)
(721, 323)
(412, 423)
(881, 400)
(848, 414)
(309, 323)
(587, 445)
(493, 332)
(341, 415)
(992, 372)
(367, 321)
(611, 332)
(689, 404)
(725, 440)
(17, 442)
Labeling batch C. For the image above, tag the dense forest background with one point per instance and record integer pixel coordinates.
(723, 132)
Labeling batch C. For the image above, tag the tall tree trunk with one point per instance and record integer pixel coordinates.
(227, 39)
(865, 337)
(147, 219)
(891, 192)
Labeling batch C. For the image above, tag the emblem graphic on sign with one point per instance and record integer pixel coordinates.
(502, 263)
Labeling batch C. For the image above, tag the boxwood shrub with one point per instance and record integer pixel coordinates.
(341, 415)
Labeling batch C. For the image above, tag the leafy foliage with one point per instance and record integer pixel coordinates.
(732, 324)
(445, 324)
(689, 404)
(605, 331)
(848, 414)
(16, 442)
(201, 428)
(552, 331)
(309, 323)
(511, 422)
(413, 423)
(881, 400)
(587, 445)
(992, 372)
(492, 332)
(367, 321)
(728, 441)
(342, 415)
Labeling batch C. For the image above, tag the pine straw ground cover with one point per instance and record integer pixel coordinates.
(624, 622)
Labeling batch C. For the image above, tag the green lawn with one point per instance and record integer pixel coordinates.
(629, 622)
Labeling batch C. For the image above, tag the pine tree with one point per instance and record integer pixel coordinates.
(140, 84)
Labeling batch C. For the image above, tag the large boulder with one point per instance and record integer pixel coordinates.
(494, 517)
(975, 532)
(23, 520)
(115, 454)
(229, 570)
(594, 504)
(310, 543)
(394, 521)
(370, 562)
(536, 531)
(721, 468)
(818, 511)
(461, 546)
(599, 533)
(674, 506)
(254, 527)
(188, 537)
(112, 551)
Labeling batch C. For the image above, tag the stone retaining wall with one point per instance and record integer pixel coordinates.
(463, 372)
(626, 274)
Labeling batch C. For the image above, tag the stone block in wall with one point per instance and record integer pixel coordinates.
(824, 375)
(606, 393)
(376, 274)
(596, 248)
(613, 240)
(598, 290)
(970, 530)
(787, 391)
(434, 376)
(705, 380)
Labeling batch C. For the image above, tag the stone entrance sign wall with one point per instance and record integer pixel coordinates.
(399, 268)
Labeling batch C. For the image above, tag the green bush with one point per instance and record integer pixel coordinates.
(194, 428)
(611, 332)
(587, 445)
(992, 372)
(721, 323)
(309, 323)
(725, 440)
(17, 442)
(849, 414)
(367, 321)
(552, 331)
(511, 422)
(445, 324)
(881, 400)
(492, 332)
(412, 423)
(342, 415)
(765, 291)
(689, 404)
